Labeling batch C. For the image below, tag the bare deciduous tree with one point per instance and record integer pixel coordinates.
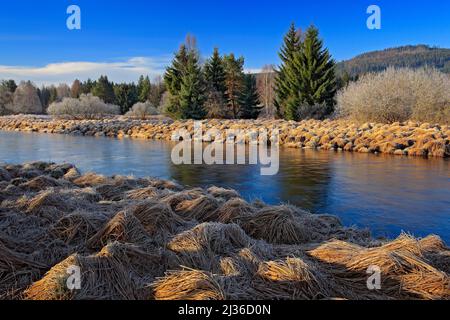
(63, 91)
(75, 90)
(265, 85)
(26, 99)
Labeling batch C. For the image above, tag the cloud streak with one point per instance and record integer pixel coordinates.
(65, 72)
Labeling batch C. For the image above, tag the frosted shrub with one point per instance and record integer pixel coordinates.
(86, 107)
(142, 110)
(397, 95)
(432, 94)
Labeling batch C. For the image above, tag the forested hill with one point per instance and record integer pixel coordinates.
(407, 56)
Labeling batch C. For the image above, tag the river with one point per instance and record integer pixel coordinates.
(387, 194)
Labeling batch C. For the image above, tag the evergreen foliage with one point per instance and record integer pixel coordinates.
(250, 104)
(234, 82)
(126, 96)
(104, 90)
(215, 73)
(286, 81)
(192, 90)
(172, 81)
(317, 80)
(144, 88)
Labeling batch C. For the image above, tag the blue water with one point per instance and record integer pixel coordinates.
(387, 194)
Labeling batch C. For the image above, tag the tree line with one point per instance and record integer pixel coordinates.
(26, 98)
(303, 86)
(218, 89)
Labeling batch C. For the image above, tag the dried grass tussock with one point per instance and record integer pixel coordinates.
(189, 285)
(153, 239)
(408, 272)
(294, 278)
(118, 271)
(124, 227)
(202, 208)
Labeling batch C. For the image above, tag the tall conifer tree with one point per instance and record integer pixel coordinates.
(234, 82)
(192, 90)
(144, 88)
(215, 73)
(126, 96)
(287, 80)
(250, 103)
(172, 81)
(104, 90)
(316, 72)
(185, 84)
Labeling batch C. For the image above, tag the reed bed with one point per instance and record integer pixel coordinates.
(402, 138)
(153, 239)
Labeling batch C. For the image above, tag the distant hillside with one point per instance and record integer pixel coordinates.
(407, 56)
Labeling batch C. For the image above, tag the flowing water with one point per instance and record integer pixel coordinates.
(387, 194)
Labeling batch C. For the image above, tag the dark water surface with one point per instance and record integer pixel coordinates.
(387, 194)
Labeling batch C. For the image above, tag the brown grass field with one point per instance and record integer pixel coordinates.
(403, 139)
(153, 239)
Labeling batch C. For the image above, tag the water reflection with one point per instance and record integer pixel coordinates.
(385, 193)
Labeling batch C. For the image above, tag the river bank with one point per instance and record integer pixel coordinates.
(144, 238)
(407, 139)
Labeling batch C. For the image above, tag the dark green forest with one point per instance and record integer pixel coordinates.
(401, 57)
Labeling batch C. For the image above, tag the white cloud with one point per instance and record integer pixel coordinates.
(65, 72)
(126, 70)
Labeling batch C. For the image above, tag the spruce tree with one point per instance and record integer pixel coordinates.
(316, 72)
(192, 90)
(287, 79)
(144, 88)
(140, 82)
(126, 96)
(87, 86)
(250, 104)
(10, 85)
(215, 73)
(234, 82)
(104, 90)
(53, 95)
(172, 81)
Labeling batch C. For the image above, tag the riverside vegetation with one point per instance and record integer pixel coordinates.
(304, 86)
(407, 138)
(154, 239)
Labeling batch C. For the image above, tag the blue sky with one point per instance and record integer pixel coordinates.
(124, 38)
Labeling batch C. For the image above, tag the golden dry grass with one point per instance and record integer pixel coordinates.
(156, 240)
(189, 285)
(406, 138)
